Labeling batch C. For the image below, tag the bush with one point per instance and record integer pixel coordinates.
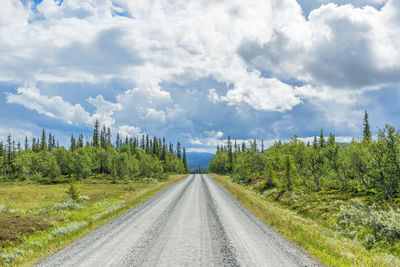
(368, 224)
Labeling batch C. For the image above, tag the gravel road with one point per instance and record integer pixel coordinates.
(192, 223)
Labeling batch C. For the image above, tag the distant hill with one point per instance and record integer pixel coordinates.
(196, 159)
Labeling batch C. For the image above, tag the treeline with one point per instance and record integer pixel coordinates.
(46, 160)
(366, 164)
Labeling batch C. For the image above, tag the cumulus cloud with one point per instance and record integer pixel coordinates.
(104, 110)
(54, 107)
(266, 59)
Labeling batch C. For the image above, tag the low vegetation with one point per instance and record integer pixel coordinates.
(350, 192)
(317, 236)
(36, 219)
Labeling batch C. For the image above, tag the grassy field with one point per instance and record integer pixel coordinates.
(309, 221)
(37, 220)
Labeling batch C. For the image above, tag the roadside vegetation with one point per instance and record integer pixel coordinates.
(50, 195)
(340, 202)
(37, 220)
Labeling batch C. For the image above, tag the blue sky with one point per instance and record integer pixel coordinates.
(198, 71)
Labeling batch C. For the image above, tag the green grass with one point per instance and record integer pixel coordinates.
(303, 222)
(36, 220)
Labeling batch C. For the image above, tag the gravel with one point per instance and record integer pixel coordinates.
(192, 223)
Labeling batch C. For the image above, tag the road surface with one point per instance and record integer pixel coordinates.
(192, 223)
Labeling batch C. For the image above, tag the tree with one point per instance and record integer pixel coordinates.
(270, 175)
(95, 140)
(321, 139)
(43, 145)
(178, 150)
(73, 143)
(73, 191)
(185, 164)
(230, 156)
(335, 159)
(288, 171)
(367, 131)
(26, 144)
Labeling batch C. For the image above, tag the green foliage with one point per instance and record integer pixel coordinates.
(49, 163)
(372, 166)
(73, 190)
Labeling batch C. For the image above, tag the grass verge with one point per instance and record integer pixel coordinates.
(325, 244)
(37, 220)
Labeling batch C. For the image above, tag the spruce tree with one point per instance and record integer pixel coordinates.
(288, 172)
(230, 156)
(367, 131)
(43, 145)
(178, 150)
(321, 139)
(262, 145)
(50, 142)
(80, 141)
(109, 136)
(103, 138)
(34, 148)
(185, 164)
(95, 139)
(26, 144)
(73, 143)
(147, 144)
(9, 149)
(117, 141)
(73, 191)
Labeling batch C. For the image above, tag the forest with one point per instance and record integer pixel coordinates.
(352, 189)
(366, 164)
(44, 160)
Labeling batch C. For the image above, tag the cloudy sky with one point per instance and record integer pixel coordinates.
(199, 70)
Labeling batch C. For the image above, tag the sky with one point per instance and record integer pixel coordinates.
(198, 71)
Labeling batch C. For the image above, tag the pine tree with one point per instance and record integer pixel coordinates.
(367, 131)
(43, 145)
(95, 139)
(262, 145)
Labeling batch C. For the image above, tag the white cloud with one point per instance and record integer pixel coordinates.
(129, 131)
(195, 142)
(104, 110)
(264, 56)
(54, 107)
